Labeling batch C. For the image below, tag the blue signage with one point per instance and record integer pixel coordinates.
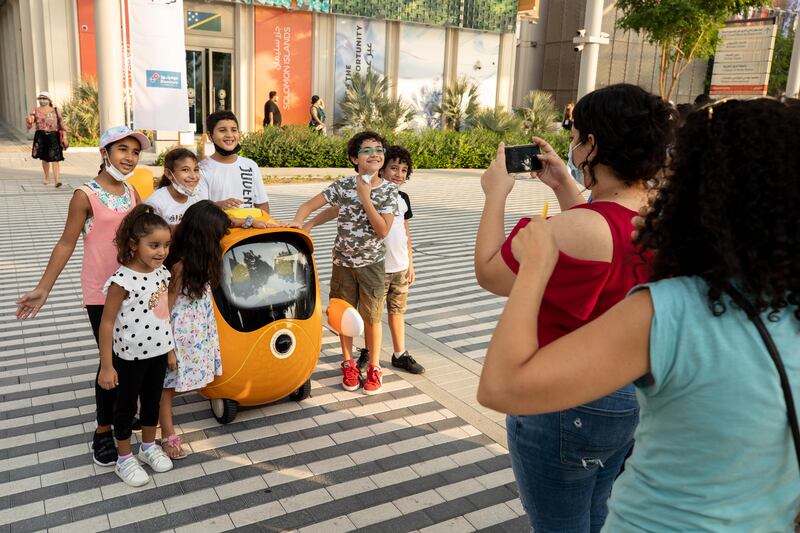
(163, 79)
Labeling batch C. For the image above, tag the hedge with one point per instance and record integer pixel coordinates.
(299, 146)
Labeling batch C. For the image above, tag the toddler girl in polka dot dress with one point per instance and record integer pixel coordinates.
(136, 344)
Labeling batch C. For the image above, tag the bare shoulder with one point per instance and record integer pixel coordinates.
(583, 234)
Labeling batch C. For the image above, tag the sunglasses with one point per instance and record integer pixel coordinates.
(370, 150)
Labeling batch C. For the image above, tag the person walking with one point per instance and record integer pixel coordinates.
(317, 115)
(272, 113)
(49, 141)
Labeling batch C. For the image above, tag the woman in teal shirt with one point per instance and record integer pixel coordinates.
(714, 451)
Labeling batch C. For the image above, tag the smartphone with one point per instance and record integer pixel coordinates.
(522, 158)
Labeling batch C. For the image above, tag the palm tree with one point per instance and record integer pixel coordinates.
(538, 112)
(81, 115)
(498, 120)
(366, 104)
(459, 104)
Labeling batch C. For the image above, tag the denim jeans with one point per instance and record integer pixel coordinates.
(566, 462)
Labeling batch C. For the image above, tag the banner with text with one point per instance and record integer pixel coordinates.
(743, 61)
(158, 65)
(360, 46)
(283, 63)
(478, 53)
(421, 70)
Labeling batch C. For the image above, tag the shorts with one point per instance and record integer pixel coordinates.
(396, 290)
(362, 287)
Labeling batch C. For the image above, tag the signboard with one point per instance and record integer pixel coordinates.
(743, 60)
(283, 63)
(478, 53)
(421, 70)
(158, 65)
(360, 46)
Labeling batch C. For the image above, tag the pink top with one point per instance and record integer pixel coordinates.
(579, 290)
(99, 251)
(45, 118)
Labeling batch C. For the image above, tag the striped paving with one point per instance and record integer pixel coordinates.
(338, 461)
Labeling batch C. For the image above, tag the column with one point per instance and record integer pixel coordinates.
(108, 24)
(793, 79)
(591, 47)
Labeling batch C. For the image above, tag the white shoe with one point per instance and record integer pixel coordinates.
(132, 473)
(156, 458)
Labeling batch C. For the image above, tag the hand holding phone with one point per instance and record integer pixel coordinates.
(522, 158)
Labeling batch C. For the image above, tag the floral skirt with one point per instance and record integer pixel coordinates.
(47, 146)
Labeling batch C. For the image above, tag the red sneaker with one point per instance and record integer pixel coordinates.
(350, 376)
(374, 380)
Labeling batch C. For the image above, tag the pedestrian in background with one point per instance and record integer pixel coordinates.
(272, 113)
(50, 140)
(317, 115)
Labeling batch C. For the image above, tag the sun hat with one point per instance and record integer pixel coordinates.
(45, 94)
(115, 133)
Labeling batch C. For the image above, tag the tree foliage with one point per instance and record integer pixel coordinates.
(459, 104)
(537, 112)
(366, 104)
(684, 30)
(81, 115)
(781, 59)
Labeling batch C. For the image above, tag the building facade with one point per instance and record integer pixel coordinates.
(239, 51)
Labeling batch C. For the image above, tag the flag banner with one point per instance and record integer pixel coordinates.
(421, 70)
(360, 46)
(478, 53)
(199, 20)
(158, 65)
(283, 63)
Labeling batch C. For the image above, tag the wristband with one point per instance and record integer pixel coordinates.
(248, 222)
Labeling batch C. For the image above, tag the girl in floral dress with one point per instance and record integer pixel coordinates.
(195, 261)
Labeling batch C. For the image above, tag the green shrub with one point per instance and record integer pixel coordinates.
(81, 115)
(299, 146)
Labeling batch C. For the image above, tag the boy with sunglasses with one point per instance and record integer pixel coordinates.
(367, 206)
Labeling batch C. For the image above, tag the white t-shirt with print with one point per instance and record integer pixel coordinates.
(166, 206)
(396, 241)
(142, 328)
(240, 179)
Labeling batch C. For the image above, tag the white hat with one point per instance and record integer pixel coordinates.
(45, 94)
(116, 133)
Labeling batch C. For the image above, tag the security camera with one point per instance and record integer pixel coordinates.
(580, 33)
(604, 35)
(578, 47)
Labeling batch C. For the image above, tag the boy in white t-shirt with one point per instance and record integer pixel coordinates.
(399, 263)
(227, 179)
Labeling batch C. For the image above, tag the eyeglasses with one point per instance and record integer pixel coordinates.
(370, 150)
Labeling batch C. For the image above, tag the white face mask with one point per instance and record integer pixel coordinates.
(577, 174)
(115, 172)
(186, 191)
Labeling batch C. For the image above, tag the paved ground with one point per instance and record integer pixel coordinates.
(422, 455)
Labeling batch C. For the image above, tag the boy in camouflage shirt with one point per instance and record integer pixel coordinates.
(367, 206)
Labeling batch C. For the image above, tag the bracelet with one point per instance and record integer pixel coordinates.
(248, 222)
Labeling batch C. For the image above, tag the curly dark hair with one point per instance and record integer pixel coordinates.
(354, 144)
(632, 129)
(401, 154)
(172, 157)
(141, 221)
(196, 242)
(728, 212)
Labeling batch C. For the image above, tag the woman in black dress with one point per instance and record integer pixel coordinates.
(47, 142)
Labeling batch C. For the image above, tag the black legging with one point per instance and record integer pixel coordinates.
(104, 399)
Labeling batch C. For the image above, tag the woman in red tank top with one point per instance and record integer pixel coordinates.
(95, 210)
(566, 462)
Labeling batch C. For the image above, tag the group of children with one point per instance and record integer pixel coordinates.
(149, 268)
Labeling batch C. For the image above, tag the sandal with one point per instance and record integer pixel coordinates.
(58, 184)
(172, 446)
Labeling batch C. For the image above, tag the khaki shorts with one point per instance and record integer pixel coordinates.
(363, 288)
(396, 290)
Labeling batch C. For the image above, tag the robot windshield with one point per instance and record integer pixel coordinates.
(266, 278)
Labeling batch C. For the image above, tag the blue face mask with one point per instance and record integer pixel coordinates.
(577, 174)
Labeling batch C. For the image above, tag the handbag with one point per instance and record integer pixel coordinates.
(752, 314)
(62, 132)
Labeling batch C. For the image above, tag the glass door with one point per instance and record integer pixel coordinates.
(220, 75)
(195, 85)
